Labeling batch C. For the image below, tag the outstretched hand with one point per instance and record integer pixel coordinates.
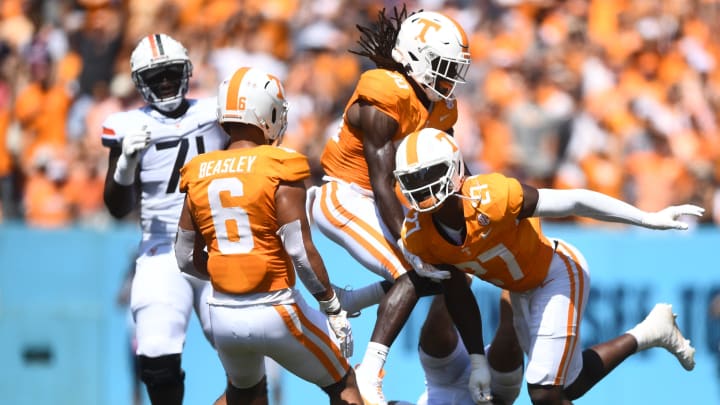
(668, 217)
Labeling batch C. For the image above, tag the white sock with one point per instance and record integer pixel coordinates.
(355, 300)
(374, 359)
(640, 337)
(506, 385)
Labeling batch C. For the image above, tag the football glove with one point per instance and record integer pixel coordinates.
(667, 218)
(479, 383)
(133, 143)
(337, 318)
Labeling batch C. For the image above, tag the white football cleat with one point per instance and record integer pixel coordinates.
(370, 387)
(659, 329)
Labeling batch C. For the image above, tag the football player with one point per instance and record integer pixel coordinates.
(420, 60)
(488, 225)
(244, 226)
(148, 146)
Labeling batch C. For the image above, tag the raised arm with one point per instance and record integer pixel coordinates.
(586, 203)
(120, 192)
(120, 199)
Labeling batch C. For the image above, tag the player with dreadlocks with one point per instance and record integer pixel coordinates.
(421, 58)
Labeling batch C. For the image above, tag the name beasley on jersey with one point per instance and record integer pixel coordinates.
(241, 164)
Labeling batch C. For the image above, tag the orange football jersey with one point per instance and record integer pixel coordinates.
(232, 200)
(390, 93)
(500, 249)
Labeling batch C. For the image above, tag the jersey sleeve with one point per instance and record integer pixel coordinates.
(111, 133)
(383, 90)
(185, 176)
(501, 197)
(413, 239)
(289, 165)
(515, 196)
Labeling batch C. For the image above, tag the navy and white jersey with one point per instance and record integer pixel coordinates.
(173, 142)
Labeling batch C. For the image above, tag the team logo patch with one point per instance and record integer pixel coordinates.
(483, 219)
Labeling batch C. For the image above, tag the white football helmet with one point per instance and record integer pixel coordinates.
(428, 168)
(432, 46)
(161, 68)
(251, 96)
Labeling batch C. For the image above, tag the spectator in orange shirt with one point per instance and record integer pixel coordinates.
(8, 204)
(46, 202)
(42, 106)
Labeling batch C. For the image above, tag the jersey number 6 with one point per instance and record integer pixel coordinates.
(230, 220)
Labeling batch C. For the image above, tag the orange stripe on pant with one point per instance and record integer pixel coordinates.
(310, 345)
(580, 293)
(353, 234)
(574, 308)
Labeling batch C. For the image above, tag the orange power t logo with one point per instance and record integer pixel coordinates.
(427, 24)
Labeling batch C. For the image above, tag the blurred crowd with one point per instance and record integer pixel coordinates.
(618, 96)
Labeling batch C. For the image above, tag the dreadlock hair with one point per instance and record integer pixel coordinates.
(378, 41)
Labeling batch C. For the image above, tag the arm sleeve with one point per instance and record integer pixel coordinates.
(291, 237)
(586, 203)
(184, 246)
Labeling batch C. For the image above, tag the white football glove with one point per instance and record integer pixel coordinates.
(337, 317)
(667, 218)
(479, 383)
(421, 268)
(133, 143)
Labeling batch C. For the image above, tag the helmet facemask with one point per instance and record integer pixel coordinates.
(446, 74)
(164, 85)
(427, 187)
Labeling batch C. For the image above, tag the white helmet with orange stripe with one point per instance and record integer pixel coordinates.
(433, 49)
(428, 168)
(161, 68)
(252, 96)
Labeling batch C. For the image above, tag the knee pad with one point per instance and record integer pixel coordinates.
(506, 386)
(160, 371)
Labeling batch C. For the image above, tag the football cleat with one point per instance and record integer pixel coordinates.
(370, 387)
(659, 329)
